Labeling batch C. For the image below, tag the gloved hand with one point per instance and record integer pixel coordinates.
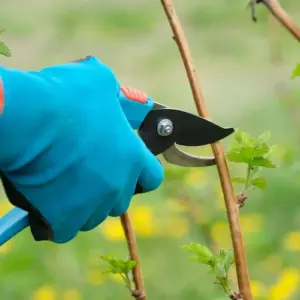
(68, 148)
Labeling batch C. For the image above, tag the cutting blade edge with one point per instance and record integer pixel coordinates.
(178, 157)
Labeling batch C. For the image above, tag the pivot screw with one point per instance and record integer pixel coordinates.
(165, 127)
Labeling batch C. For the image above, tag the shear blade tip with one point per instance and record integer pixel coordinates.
(228, 131)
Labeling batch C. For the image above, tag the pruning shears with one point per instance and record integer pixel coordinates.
(161, 128)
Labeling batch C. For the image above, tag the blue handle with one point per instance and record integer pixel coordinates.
(135, 108)
(12, 223)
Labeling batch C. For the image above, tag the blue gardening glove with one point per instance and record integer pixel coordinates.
(68, 149)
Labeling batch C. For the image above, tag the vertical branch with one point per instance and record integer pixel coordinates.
(282, 16)
(280, 87)
(227, 188)
(139, 292)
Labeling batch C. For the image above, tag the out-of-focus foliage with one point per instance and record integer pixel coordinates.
(219, 264)
(296, 72)
(240, 84)
(4, 49)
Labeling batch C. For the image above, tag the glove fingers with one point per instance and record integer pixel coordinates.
(97, 218)
(120, 208)
(152, 174)
(124, 201)
(150, 178)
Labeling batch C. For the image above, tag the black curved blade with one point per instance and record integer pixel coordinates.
(188, 130)
(192, 130)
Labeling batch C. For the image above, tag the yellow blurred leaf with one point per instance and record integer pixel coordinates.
(272, 263)
(258, 289)
(45, 292)
(143, 220)
(221, 234)
(116, 278)
(175, 206)
(286, 285)
(95, 277)
(195, 178)
(112, 229)
(292, 241)
(251, 223)
(175, 227)
(72, 294)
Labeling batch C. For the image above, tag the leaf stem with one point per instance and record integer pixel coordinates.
(247, 184)
(223, 282)
(127, 281)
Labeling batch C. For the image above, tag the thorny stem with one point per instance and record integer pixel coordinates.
(280, 14)
(139, 292)
(229, 196)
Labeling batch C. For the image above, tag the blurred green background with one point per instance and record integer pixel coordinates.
(244, 70)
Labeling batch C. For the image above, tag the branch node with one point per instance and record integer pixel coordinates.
(253, 4)
(235, 296)
(279, 13)
(241, 200)
(138, 295)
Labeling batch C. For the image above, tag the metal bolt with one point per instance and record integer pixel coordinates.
(165, 127)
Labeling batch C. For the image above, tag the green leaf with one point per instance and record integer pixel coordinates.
(242, 155)
(261, 149)
(112, 270)
(272, 149)
(4, 50)
(229, 260)
(200, 253)
(220, 271)
(118, 265)
(2, 30)
(226, 259)
(262, 162)
(296, 72)
(130, 264)
(223, 253)
(247, 153)
(265, 136)
(242, 137)
(259, 182)
(239, 180)
(235, 156)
